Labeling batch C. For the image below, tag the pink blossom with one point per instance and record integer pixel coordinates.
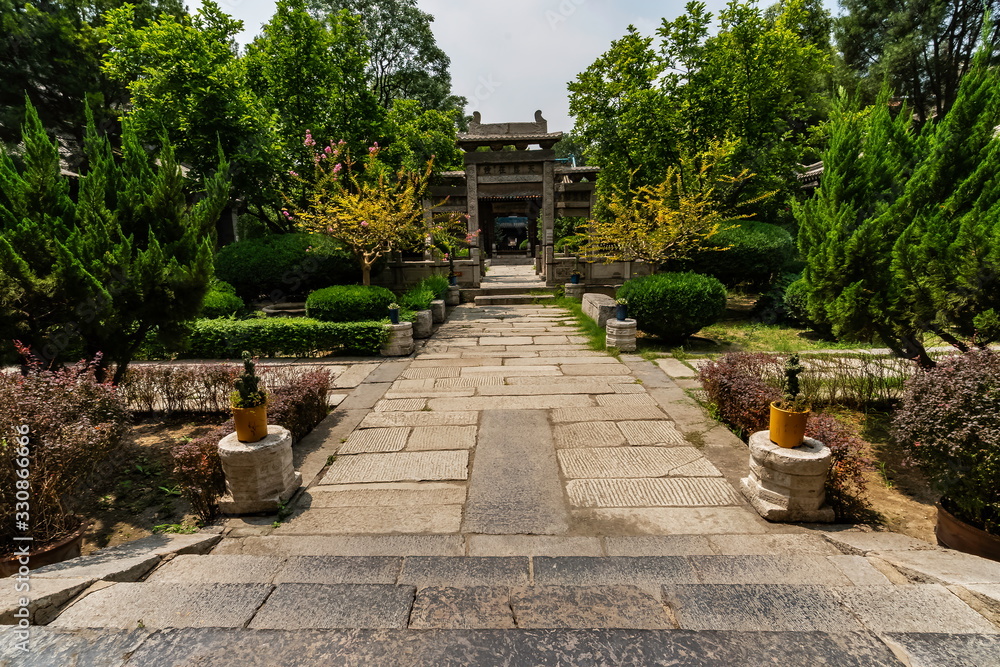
(309, 139)
(294, 174)
(329, 230)
(337, 168)
(364, 224)
(328, 150)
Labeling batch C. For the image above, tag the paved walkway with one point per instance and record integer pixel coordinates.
(508, 496)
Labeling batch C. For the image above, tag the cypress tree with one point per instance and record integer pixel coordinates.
(129, 255)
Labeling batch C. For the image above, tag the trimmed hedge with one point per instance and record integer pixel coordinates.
(282, 266)
(349, 303)
(280, 336)
(796, 302)
(674, 306)
(221, 301)
(758, 251)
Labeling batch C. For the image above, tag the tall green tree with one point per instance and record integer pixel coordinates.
(415, 136)
(50, 51)
(405, 62)
(923, 47)
(129, 256)
(187, 81)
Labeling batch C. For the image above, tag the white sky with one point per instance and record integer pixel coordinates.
(511, 57)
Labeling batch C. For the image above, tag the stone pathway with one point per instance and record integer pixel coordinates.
(509, 496)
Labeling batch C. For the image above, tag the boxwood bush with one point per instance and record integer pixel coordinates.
(280, 336)
(349, 303)
(757, 253)
(674, 306)
(221, 301)
(284, 267)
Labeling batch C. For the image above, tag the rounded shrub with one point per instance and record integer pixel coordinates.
(221, 301)
(674, 306)
(757, 252)
(797, 302)
(282, 267)
(349, 303)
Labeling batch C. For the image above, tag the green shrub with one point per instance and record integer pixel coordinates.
(281, 336)
(282, 267)
(770, 307)
(796, 303)
(523, 245)
(221, 301)
(437, 284)
(674, 306)
(418, 298)
(349, 303)
(757, 252)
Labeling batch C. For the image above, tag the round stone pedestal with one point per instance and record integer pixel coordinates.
(575, 291)
(400, 343)
(453, 297)
(621, 334)
(788, 484)
(439, 311)
(423, 325)
(259, 475)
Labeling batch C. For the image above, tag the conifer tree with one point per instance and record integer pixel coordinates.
(130, 255)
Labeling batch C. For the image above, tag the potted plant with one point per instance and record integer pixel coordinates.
(394, 313)
(790, 414)
(574, 278)
(621, 309)
(249, 402)
(948, 423)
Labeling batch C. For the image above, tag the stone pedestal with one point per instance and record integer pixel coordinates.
(788, 484)
(454, 296)
(400, 343)
(259, 475)
(423, 325)
(599, 307)
(439, 311)
(575, 291)
(621, 334)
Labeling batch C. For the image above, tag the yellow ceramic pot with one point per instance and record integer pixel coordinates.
(788, 428)
(251, 423)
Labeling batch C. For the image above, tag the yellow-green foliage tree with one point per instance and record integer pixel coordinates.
(673, 219)
(364, 204)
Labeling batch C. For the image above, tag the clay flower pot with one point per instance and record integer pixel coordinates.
(954, 533)
(251, 423)
(788, 428)
(49, 554)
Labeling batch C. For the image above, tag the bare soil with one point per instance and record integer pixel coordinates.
(141, 494)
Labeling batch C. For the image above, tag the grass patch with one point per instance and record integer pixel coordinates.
(597, 336)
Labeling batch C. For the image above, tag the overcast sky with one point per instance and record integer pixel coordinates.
(511, 57)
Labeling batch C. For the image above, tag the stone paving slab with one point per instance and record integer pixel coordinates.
(670, 520)
(624, 462)
(514, 487)
(166, 605)
(918, 608)
(45, 598)
(443, 393)
(100, 566)
(400, 467)
(750, 607)
(763, 545)
(339, 570)
(79, 647)
(602, 414)
(583, 571)
(770, 569)
(352, 545)
(947, 649)
(465, 571)
(459, 648)
(859, 571)
(385, 495)
(543, 390)
(473, 608)
(533, 545)
(430, 438)
(675, 368)
(428, 519)
(574, 380)
(567, 361)
(218, 570)
(479, 403)
(588, 607)
(595, 369)
(625, 400)
(432, 372)
(535, 370)
(658, 545)
(861, 544)
(584, 435)
(480, 381)
(354, 375)
(984, 598)
(686, 492)
(387, 419)
(400, 405)
(506, 340)
(373, 440)
(644, 433)
(311, 606)
(943, 566)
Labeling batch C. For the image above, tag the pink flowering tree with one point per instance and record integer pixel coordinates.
(363, 204)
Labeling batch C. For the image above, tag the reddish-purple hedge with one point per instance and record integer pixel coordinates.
(736, 387)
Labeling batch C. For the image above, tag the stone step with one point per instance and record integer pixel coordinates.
(513, 299)
(249, 647)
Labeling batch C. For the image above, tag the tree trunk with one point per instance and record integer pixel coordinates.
(366, 274)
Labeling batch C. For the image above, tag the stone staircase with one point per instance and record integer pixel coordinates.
(847, 598)
(510, 282)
